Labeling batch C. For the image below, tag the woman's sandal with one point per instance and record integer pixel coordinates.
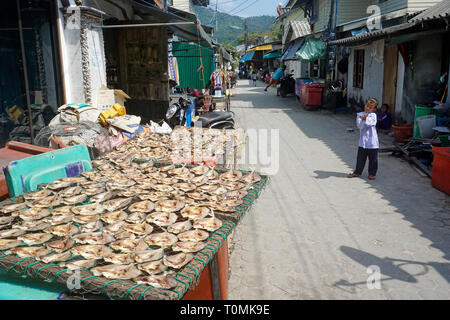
(352, 175)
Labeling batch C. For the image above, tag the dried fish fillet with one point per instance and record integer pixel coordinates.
(88, 209)
(147, 255)
(35, 238)
(207, 188)
(200, 170)
(56, 257)
(93, 238)
(33, 225)
(78, 264)
(162, 188)
(64, 210)
(136, 217)
(186, 187)
(141, 229)
(29, 252)
(34, 214)
(193, 212)
(75, 199)
(209, 224)
(51, 201)
(232, 175)
(86, 219)
(60, 245)
(70, 192)
(162, 281)
(114, 216)
(59, 185)
(153, 267)
(116, 204)
(6, 244)
(188, 246)
(101, 197)
(119, 258)
(91, 251)
(196, 195)
(94, 189)
(71, 179)
(179, 227)
(153, 196)
(37, 195)
(117, 271)
(60, 219)
(169, 205)
(13, 207)
(162, 219)
(10, 233)
(114, 228)
(128, 245)
(162, 239)
(142, 206)
(178, 260)
(91, 226)
(195, 235)
(6, 220)
(62, 230)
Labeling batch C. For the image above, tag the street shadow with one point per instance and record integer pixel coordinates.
(390, 268)
(320, 174)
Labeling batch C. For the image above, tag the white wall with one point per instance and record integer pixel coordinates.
(373, 79)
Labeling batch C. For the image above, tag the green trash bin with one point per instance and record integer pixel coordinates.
(421, 110)
(445, 140)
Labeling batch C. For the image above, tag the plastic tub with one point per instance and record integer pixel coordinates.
(441, 169)
(420, 111)
(402, 132)
(426, 125)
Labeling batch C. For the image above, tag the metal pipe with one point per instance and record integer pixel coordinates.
(144, 25)
(25, 74)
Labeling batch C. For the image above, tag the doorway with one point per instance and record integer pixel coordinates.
(390, 77)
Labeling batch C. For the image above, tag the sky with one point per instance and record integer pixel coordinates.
(247, 8)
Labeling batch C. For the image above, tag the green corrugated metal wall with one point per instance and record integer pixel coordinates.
(188, 58)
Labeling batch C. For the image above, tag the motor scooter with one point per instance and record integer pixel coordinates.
(287, 85)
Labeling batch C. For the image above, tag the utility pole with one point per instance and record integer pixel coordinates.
(217, 25)
(246, 34)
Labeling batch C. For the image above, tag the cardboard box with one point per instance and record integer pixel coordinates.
(106, 98)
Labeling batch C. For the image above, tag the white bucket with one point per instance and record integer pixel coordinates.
(426, 125)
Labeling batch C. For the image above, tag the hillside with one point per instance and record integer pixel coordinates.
(232, 27)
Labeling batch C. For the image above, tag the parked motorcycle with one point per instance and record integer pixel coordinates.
(176, 116)
(287, 85)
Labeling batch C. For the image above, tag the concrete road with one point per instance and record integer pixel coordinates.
(315, 234)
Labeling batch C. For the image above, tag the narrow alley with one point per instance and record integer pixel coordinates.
(315, 234)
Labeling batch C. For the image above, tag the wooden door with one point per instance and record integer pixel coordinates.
(390, 77)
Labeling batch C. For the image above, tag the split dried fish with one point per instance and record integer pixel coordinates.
(162, 239)
(13, 207)
(157, 175)
(219, 191)
(162, 219)
(91, 251)
(114, 216)
(71, 179)
(78, 264)
(178, 171)
(153, 196)
(178, 260)
(128, 245)
(91, 226)
(200, 180)
(117, 271)
(162, 188)
(233, 185)
(94, 189)
(142, 206)
(60, 245)
(32, 239)
(64, 210)
(169, 181)
(75, 199)
(196, 195)
(163, 281)
(207, 188)
(6, 220)
(147, 255)
(70, 192)
(188, 246)
(195, 235)
(179, 227)
(119, 258)
(37, 195)
(169, 205)
(153, 267)
(136, 217)
(232, 175)
(222, 208)
(34, 214)
(194, 212)
(33, 225)
(57, 257)
(60, 219)
(6, 244)
(114, 228)
(59, 185)
(62, 230)
(200, 170)
(116, 204)
(139, 229)
(29, 252)
(88, 209)
(101, 197)
(120, 184)
(86, 219)
(93, 238)
(186, 187)
(51, 201)
(209, 224)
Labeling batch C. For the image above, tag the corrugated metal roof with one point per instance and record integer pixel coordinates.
(300, 29)
(438, 11)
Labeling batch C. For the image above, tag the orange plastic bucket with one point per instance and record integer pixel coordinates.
(441, 169)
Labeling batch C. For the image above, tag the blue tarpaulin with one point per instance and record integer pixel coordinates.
(289, 53)
(247, 57)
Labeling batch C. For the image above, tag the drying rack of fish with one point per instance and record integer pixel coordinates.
(133, 229)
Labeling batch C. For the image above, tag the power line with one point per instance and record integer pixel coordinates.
(229, 12)
(245, 7)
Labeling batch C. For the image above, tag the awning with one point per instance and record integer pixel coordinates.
(266, 47)
(272, 55)
(289, 53)
(247, 57)
(312, 50)
(225, 54)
